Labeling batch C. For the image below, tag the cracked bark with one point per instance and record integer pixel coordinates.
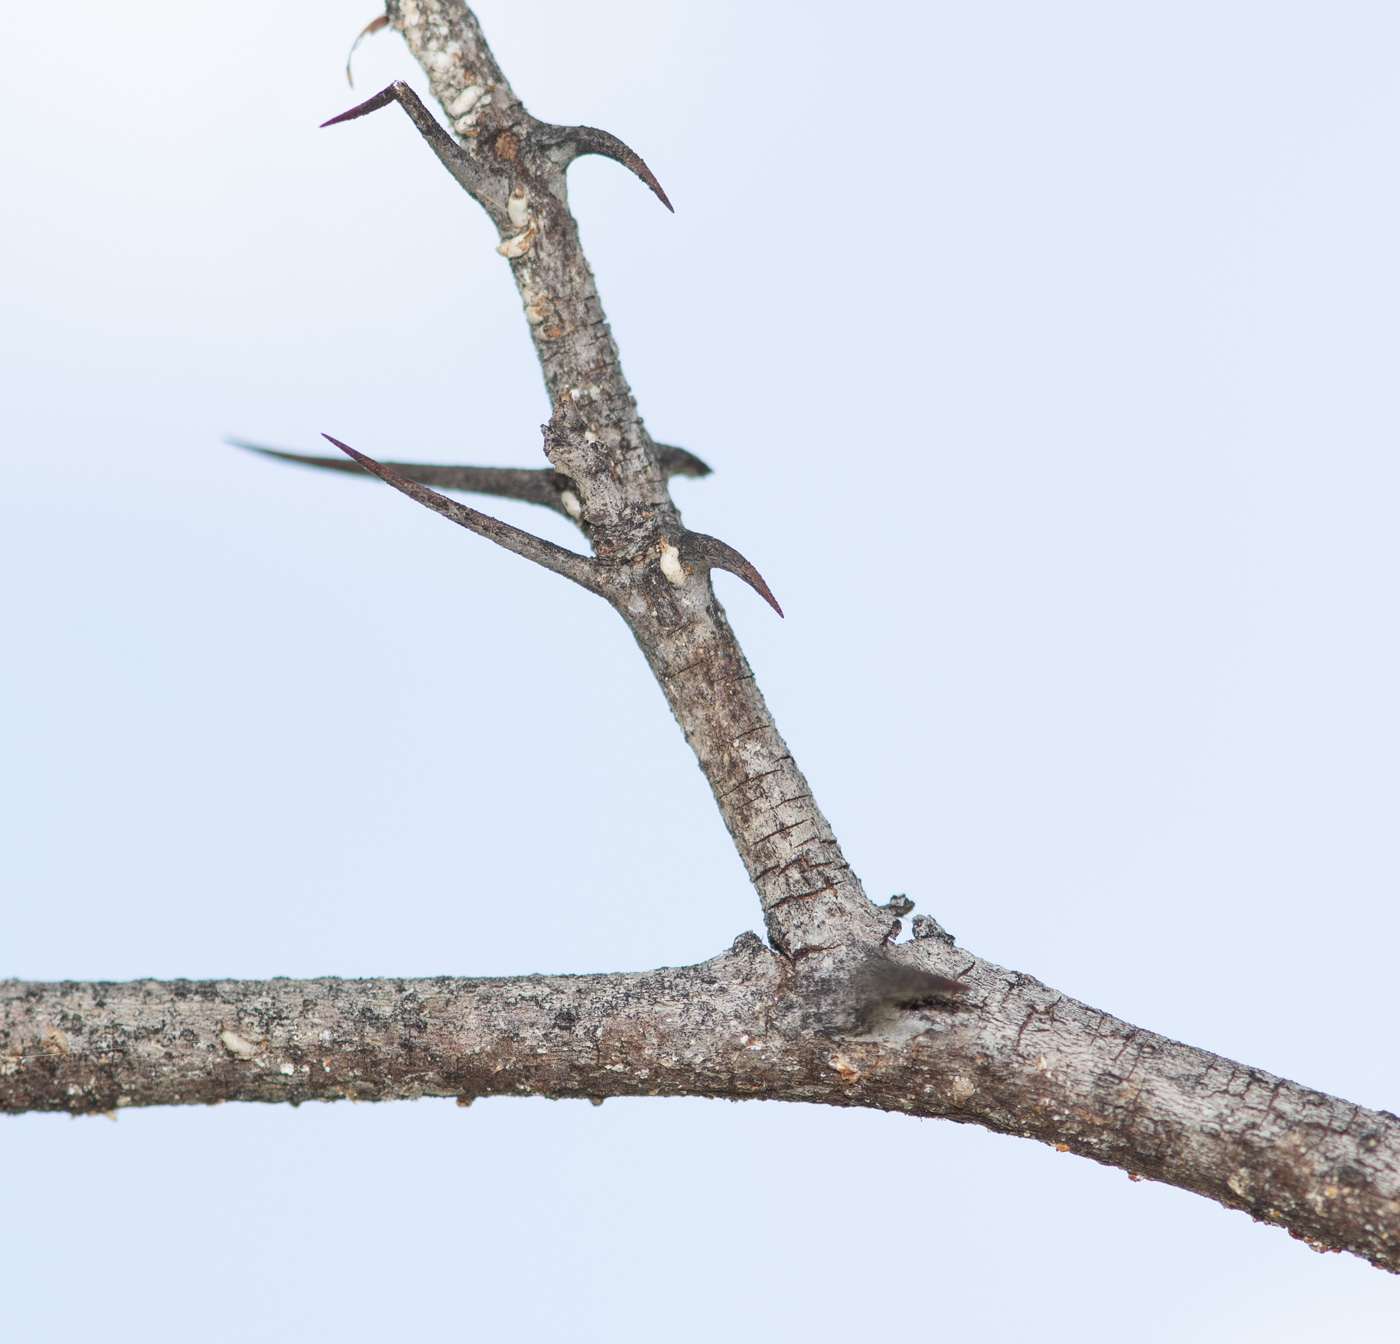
(983, 1045)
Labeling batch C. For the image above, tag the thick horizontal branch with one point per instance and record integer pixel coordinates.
(1009, 1054)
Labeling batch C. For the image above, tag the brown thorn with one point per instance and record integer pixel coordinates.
(450, 154)
(532, 485)
(570, 564)
(381, 99)
(373, 26)
(590, 140)
(699, 550)
(678, 462)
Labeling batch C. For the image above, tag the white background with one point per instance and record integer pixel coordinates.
(1046, 356)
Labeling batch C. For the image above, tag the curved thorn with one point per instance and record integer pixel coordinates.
(590, 140)
(677, 462)
(373, 26)
(702, 551)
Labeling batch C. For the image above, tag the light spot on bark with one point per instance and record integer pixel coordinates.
(962, 1088)
(238, 1045)
(519, 245)
(465, 101)
(54, 1042)
(848, 1071)
(288, 1069)
(571, 505)
(671, 563)
(518, 207)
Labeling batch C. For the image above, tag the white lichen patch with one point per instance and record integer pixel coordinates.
(519, 245)
(467, 125)
(671, 565)
(466, 100)
(571, 505)
(537, 305)
(237, 1045)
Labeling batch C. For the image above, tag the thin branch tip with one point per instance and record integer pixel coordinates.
(344, 447)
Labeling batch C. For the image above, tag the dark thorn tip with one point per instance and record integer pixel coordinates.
(381, 99)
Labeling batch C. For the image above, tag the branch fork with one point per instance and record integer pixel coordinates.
(831, 1012)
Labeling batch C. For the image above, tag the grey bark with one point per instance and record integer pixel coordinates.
(833, 1012)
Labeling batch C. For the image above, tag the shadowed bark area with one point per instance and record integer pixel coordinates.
(833, 1012)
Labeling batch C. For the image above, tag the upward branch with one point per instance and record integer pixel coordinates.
(658, 572)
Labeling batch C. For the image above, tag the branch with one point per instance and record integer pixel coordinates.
(813, 903)
(836, 1015)
(1009, 1054)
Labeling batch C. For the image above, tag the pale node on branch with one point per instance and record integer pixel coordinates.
(519, 245)
(238, 1045)
(465, 101)
(671, 563)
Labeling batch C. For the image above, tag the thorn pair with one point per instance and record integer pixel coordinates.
(580, 139)
(696, 549)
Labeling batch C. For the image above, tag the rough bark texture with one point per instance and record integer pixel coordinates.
(1010, 1054)
(835, 1014)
